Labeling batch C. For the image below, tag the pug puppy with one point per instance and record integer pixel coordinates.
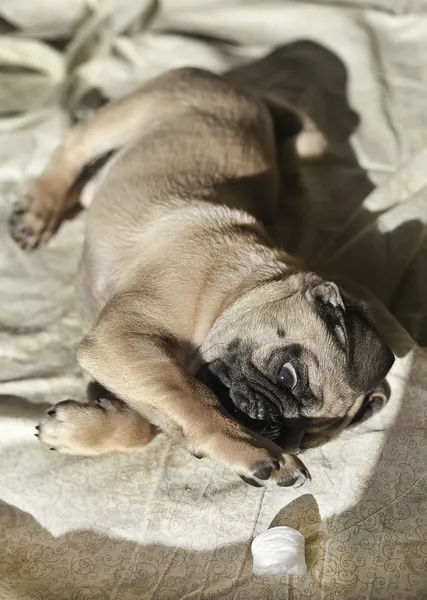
(184, 294)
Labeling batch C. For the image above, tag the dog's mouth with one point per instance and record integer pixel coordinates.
(271, 426)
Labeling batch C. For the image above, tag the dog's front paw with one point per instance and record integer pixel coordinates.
(286, 471)
(256, 460)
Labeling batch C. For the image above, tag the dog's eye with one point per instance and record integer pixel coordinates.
(287, 377)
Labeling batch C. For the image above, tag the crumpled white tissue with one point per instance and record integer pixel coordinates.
(277, 551)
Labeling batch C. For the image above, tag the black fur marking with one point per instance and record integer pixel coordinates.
(370, 359)
(271, 428)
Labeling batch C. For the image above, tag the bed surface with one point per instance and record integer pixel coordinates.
(159, 524)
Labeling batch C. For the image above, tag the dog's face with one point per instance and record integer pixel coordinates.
(296, 361)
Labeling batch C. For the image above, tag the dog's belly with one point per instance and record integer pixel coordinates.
(154, 240)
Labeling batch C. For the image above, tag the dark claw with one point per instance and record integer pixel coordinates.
(250, 481)
(52, 448)
(38, 427)
(306, 473)
(36, 434)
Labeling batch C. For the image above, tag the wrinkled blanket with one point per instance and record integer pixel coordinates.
(159, 524)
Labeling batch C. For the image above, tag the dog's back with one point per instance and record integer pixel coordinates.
(205, 149)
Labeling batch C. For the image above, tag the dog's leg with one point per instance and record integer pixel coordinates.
(54, 194)
(104, 426)
(135, 361)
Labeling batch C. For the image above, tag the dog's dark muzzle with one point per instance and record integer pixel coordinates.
(254, 412)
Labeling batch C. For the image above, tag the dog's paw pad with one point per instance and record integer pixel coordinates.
(293, 472)
(29, 227)
(287, 472)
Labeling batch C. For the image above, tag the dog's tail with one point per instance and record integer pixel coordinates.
(293, 125)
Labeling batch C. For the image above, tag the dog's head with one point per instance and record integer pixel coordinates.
(297, 361)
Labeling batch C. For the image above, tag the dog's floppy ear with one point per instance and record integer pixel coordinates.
(372, 403)
(370, 359)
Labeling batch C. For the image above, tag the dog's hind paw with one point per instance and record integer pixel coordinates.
(32, 222)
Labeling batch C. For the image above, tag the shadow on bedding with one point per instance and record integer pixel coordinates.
(323, 217)
(87, 565)
(17, 407)
(97, 566)
(313, 78)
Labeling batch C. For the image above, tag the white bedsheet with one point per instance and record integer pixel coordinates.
(159, 524)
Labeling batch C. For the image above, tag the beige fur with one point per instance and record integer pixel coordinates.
(177, 265)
